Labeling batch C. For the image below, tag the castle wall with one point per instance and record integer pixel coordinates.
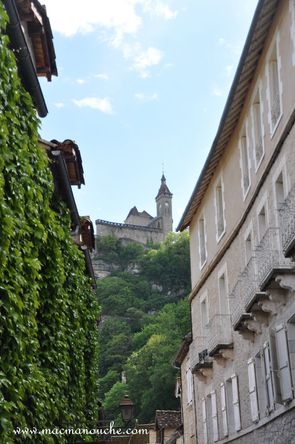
(135, 233)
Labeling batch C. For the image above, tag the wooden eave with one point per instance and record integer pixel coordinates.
(253, 48)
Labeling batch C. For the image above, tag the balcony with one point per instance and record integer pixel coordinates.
(201, 364)
(270, 258)
(219, 334)
(287, 224)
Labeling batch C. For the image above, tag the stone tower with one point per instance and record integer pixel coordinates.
(164, 206)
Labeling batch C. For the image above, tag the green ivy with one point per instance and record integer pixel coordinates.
(48, 311)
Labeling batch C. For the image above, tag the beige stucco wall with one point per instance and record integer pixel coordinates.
(188, 410)
(236, 207)
(229, 168)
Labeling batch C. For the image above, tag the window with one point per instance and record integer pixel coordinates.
(204, 313)
(281, 364)
(253, 390)
(280, 189)
(233, 405)
(219, 207)
(245, 165)
(257, 130)
(274, 88)
(189, 383)
(248, 247)
(262, 218)
(268, 378)
(214, 416)
(223, 410)
(202, 241)
(222, 289)
(236, 403)
(204, 420)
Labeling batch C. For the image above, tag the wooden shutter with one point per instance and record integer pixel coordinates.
(204, 414)
(214, 416)
(274, 367)
(283, 363)
(236, 402)
(253, 390)
(189, 385)
(268, 377)
(223, 410)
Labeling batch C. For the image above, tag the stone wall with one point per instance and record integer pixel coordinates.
(279, 431)
(133, 233)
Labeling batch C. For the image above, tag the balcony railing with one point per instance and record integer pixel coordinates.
(270, 257)
(219, 333)
(198, 345)
(238, 303)
(287, 223)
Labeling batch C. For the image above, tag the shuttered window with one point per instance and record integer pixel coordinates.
(268, 377)
(236, 403)
(223, 410)
(214, 416)
(253, 390)
(204, 420)
(283, 365)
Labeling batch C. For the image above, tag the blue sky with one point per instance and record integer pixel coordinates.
(141, 83)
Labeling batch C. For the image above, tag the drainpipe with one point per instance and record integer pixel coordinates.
(25, 64)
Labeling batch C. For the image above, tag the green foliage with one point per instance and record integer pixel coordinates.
(132, 336)
(113, 251)
(112, 401)
(150, 375)
(169, 266)
(48, 313)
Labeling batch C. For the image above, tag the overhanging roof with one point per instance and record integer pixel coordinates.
(253, 48)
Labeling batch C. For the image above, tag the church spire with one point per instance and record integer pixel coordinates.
(163, 190)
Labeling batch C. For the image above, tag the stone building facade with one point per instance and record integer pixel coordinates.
(141, 227)
(242, 243)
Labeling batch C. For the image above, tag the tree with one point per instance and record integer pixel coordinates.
(150, 376)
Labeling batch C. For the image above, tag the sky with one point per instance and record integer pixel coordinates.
(141, 87)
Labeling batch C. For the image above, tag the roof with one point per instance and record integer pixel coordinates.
(134, 212)
(40, 33)
(183, 350)
(163, 190)
(167, 419)
(73, 160)
(254, 45)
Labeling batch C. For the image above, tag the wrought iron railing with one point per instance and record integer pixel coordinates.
(237, 301)
(219, 331)
(270, 256)
(287, 221)
(198, 345)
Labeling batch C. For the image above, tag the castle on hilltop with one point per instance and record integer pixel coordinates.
(140, 226)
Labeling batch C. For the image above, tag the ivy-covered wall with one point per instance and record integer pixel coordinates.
(48, 312)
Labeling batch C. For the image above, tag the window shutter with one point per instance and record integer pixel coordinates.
(274, 366)
(253, 390)
(214, 416)
(268, 377)
(204, 420)
(236, 403)
(223, 410)
(189, 386)
(283, 363)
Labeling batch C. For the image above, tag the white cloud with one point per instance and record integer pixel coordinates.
(217, 91)
(102, 104)
(142, 60)
(142, 97)
(101, 76)
(80, 81)
(159, 9)
(59, 104)
(118, 22)
(69, 17)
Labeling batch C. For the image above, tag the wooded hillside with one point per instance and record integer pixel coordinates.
(144, 317)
